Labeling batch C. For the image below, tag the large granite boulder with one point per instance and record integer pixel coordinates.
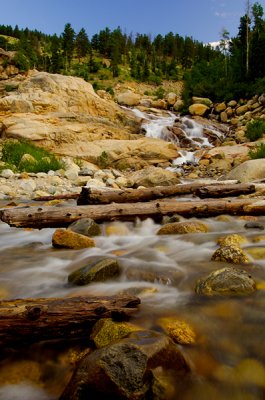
(153, 176)
(248, 171)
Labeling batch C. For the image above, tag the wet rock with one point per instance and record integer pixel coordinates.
(254, 225)
(178, 330)
(153, 176)
(124, 370)
(167, 276)
(258, 253)
(226, 281)
(65, 238)
(85, 226)
(247, 372)
(183, 227)
(95, 271)
(231, 254)
(231, 240)
(117, 229)
(139, 291)
(106, 331)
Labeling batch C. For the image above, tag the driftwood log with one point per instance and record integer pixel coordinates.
(32, 320)
(99, 196)
(44, 217)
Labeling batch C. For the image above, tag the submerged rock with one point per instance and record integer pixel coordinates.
(124, 370)
(65, 238)
(85, 226)
(232, 254)
(95, 271)
(231, 240)
(183, 227)
(178, 330)
(226, 281)
(106, 331)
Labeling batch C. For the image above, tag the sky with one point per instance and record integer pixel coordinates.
(203, 20)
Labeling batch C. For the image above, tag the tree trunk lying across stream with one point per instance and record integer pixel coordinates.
(44, 217)
(31, 320)
(100, 196)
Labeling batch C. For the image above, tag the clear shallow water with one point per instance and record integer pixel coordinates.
(228, 358)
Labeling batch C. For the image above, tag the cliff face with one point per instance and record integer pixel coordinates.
(52, 108)
(65, 115)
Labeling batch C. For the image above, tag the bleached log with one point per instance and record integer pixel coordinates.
(44, 217)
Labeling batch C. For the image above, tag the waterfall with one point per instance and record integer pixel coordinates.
(185, 132)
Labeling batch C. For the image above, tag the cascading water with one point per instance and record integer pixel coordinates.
(185, 132)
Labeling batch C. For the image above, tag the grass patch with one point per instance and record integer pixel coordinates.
(255, 130)
(25, 156)
(257, 152)
(10, 88)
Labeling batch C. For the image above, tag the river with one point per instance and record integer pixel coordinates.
(228, 358)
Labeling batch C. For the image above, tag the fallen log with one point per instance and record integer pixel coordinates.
(67, 196)
(32, 320)
(225, 190)
(45, 217)
(90, 196)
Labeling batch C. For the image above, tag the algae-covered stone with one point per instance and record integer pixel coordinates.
(226, 281)
(106, 331)
(230, 254)
(65, 238)
(95, 271)
(231, 240)
(183, 227)
(85, 226)
(178, 330)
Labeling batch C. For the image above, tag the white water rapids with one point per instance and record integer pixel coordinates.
(230, 331)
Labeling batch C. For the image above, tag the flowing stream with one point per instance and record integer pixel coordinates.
(228, 358)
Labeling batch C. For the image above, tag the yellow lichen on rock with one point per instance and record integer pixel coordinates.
(230, 254)
(231, 240)
(183, 227)
(107, 331)
(178, 330)
(65, 238)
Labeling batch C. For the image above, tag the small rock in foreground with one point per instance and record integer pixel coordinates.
(65, 238)
(95, 271)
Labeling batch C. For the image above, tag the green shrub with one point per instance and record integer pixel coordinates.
(257, 152)
(160, 93)
(10, 88)
(103, 159)
(110, 90)
(42, 160)
(255, 130)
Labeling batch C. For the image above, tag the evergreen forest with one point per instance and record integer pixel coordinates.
(234, 69)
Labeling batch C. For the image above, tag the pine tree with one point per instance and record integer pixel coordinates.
(82, 44)
(68, 37)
